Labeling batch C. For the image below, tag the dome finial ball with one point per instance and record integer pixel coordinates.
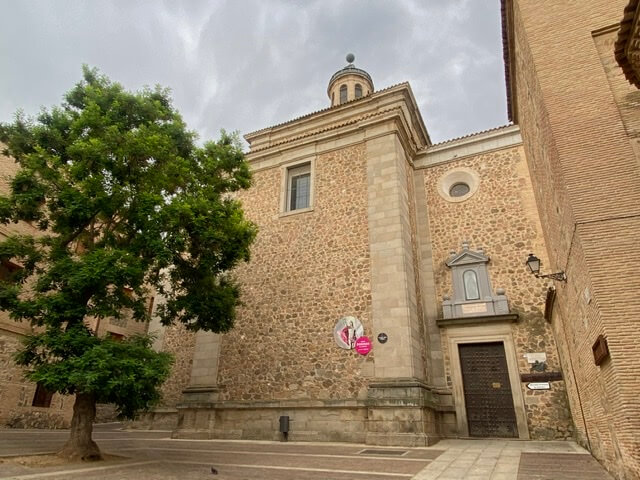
(350, 57)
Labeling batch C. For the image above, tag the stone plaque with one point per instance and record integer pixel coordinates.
(536, 357)
(468, 308)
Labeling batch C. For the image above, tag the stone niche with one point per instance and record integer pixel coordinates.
(472, 292)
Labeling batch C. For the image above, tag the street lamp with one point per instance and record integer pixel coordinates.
(534, 263)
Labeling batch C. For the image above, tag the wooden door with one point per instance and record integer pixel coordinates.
(487, 391)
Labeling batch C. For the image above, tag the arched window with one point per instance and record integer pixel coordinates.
(343, 94)
(471, 290)
(358, 90)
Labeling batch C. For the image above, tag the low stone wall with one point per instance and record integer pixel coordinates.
(337, 423)
(37, 418)
(156, 419)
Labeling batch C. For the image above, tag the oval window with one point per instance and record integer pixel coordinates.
(459, 189)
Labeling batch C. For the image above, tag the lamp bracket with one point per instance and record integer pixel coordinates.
(559, 276)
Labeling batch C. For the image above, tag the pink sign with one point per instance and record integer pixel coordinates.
(363, 345)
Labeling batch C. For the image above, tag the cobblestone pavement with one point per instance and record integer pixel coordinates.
(154, 455)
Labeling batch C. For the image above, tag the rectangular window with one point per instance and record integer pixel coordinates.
(42, 397)
(118, 337)
(299, 187)
(8, 270)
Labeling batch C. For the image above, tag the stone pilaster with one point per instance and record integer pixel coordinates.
(399, 411)
(392, 280)
(196, 415)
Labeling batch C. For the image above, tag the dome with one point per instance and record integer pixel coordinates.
(349, 83)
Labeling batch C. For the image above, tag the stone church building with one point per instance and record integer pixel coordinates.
(388, 300)
(368, 229)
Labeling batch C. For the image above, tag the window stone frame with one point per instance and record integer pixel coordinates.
(284, 186)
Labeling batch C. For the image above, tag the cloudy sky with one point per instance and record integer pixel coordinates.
(248, 64)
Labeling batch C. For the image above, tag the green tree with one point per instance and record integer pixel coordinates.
(125, 201)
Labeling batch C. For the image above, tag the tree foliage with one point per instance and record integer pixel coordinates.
(125, 201)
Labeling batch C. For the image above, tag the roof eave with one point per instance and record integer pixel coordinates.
(506, 9)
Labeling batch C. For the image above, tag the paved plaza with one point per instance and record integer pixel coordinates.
(144, 455)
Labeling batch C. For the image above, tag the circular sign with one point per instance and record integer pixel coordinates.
(346, 331)
(382, 337)
(363, 345)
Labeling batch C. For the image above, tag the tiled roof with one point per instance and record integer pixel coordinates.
(324, 110)
(332, 126)
(451, 140)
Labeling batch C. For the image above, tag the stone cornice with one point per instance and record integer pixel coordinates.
(395, 105)
(476, 144)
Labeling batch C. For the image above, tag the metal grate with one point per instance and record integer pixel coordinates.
(393, 453)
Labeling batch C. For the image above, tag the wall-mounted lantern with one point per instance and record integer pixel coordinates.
(534, 263)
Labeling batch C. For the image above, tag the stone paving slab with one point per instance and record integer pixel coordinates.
(155, 456)
(493, 459)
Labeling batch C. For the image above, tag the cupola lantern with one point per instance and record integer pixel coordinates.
(349, 83)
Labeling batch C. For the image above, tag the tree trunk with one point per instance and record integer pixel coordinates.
(80, 446)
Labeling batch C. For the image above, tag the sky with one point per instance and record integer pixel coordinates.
(243, 65)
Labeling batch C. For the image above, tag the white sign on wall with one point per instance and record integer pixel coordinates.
(539, 386)
(536, 357)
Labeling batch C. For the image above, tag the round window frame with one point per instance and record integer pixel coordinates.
(458, 175)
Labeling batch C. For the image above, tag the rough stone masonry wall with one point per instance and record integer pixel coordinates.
(181, 344)
(501, 217)
(307, 271)
(573, 121)
(16, 393)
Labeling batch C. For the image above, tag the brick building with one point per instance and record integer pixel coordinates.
(579, 117)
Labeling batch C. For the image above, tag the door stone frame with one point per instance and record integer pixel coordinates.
(485, 334)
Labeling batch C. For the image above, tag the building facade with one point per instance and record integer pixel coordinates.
(367, 228)
(579, 117)
(24, 404)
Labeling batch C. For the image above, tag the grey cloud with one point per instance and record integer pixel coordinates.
(247, 64)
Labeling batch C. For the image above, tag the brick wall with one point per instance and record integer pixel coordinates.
(578, 125)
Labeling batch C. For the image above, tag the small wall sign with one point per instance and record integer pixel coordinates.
(382, 337)
(539, 386)
(363, 345)
(536, 357)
